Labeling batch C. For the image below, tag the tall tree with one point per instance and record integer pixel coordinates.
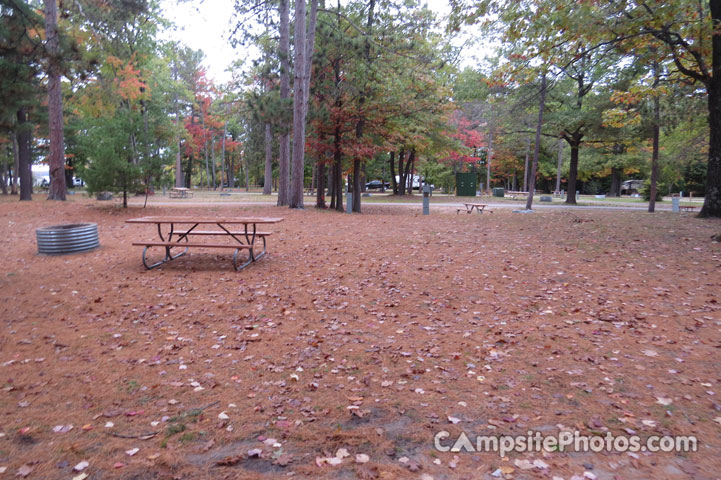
(284, 147)
(303, 41)
(55, 104)
(537, 148)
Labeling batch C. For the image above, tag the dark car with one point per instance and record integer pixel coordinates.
(376, 184)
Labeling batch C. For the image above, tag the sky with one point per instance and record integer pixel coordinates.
(206, 26)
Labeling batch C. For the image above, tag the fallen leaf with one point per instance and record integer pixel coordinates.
(24, 471)
(523, 464)
(362, 458)
(81, 466)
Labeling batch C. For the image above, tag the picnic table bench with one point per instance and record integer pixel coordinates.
(514, 194)
(687, 208)
(177, 238)
(180, 192)
(469, 207)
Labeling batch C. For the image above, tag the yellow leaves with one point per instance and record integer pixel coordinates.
(625, 98)
(619, 118)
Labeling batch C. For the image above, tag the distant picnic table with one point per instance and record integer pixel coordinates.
(513, 194)
(177, 238)
(469, 207)
(688, 208)
(180, 192)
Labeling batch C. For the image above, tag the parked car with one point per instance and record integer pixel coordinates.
(376, 184)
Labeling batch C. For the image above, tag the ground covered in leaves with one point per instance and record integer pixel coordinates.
(358, 338)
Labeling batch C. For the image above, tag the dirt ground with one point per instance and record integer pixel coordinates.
(358, 338)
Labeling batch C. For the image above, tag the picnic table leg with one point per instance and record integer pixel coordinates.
(168, 255)
(250, 238)
(246, 263)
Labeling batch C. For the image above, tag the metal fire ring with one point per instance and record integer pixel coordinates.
(73, 238)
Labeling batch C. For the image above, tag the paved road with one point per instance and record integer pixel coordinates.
(454, 205)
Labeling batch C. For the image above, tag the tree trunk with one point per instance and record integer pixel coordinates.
(407, 179)
(4, 175)
(392, 162)
(489, 156)
(268, 172)
(537, 147)
(247, 173)
(356, 185)
(310, 45)
(222, 155)
(712, 201)
(401, 172)
(572, 174)
(615, 182)
(58, 188)
(320, 191)
(16, 165)
(313, 178)
(284, 147)
(525, 166)
(188, 171)
(300, 99)
(231, 170)
(560, 165)
(178, 158)
(337, 170)
(212, 161)
(25, 170)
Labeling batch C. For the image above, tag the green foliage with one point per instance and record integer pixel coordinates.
(661, 189)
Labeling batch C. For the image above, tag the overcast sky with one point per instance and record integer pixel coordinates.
(206, 27)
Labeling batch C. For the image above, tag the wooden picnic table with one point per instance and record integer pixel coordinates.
(178, 229)
(180, 192)
(469, 207)
(687, 208)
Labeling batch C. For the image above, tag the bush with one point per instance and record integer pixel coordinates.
(646, 190)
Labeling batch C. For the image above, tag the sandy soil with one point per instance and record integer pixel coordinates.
(358, 338)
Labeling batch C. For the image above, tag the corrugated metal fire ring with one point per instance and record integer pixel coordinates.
(73, 238)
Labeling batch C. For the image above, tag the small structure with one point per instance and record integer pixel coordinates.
(629, 187)
(466, 184)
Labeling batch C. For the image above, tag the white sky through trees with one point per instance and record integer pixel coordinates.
(206, 25)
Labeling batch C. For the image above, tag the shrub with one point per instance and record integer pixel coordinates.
(646, 190)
